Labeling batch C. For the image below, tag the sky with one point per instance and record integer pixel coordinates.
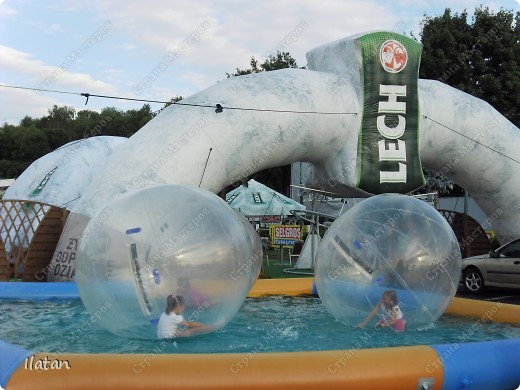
(160, 49)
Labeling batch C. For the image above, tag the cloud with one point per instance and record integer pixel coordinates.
(165, 94)
(114, 72)
(197, 79)
(22, 103)
(46, 76)
(143, 33)
(235, 30)
(5, 10)
(38, 74)
(211, 38)
(128, 46)
(54, 28)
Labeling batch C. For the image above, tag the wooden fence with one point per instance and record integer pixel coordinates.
(29, 233)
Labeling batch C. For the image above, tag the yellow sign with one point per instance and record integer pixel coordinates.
(286, 235)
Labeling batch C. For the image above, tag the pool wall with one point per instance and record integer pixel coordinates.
(484, 365)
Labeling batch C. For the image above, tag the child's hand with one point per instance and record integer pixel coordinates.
(381, 325)
(360, 325)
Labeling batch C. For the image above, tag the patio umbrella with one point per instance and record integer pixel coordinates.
(256, 199)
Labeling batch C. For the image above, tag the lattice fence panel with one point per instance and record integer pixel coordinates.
(29, 231)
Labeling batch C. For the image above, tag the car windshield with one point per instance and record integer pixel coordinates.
(511, 250)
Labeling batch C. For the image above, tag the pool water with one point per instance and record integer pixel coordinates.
(269, 324)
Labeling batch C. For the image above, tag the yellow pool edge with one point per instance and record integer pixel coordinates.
(389, 368)
(485, 310)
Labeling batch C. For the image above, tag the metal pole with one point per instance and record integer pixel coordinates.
(316, 229)
(465, 202)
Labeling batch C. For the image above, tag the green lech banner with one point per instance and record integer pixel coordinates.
(42, 184)
(388, 149)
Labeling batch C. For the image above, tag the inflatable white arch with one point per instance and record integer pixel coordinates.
(318, 121)
(60, 177)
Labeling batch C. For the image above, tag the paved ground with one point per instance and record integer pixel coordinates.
(493, 294)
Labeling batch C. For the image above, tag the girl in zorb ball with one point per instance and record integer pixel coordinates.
(391, 314)
(172, 323)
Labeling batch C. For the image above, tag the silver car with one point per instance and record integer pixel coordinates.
(499, 268)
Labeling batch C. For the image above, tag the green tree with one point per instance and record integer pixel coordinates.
(27, 121)
(33, 138)
(117, 120)
(31, 143)
(480, 57)
(57, 125)
(9, 165)
(87, 124)
(135, 119)
(280, 60)
(173, 100)
(20, 147)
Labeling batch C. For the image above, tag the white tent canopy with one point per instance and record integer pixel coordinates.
(6, 182)
(256, 199)
(307, 256)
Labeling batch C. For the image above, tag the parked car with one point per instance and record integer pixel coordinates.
(498, 268)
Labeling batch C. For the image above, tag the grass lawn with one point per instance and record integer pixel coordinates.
(274, 270)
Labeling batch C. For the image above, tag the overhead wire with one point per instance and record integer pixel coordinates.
(472, 139)
(219, 108)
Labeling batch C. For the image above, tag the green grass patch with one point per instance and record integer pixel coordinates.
(277, 263)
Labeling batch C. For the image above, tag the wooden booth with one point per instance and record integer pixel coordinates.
(28, 237)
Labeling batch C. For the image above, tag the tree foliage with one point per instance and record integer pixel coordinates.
(35, 137)
(480, 57)
(280, 60)
(173, 100)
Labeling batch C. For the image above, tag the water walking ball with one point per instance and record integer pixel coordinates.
(160, 241)
(394, 243)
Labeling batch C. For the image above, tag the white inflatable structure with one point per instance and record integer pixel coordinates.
(312, 115)
(60, 177)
